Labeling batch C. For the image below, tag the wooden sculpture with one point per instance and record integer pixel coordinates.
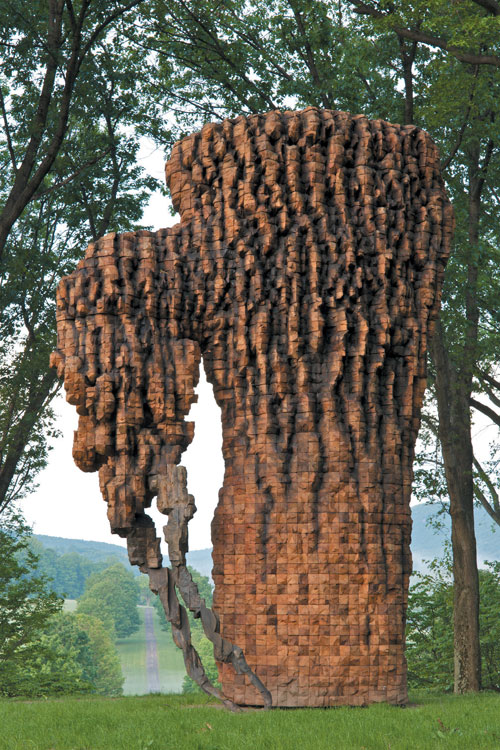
(306, 270)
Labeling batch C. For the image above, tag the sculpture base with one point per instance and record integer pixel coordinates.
(300, 694)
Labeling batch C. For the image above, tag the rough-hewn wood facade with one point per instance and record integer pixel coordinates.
(306, 270)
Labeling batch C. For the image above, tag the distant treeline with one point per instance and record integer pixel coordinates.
(200, 559)
(68, 570)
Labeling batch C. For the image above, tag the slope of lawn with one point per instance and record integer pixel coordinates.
(132, 653)
(194, 722)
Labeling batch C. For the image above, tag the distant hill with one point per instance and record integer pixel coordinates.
(96, 551)
(201, 559)
(427, 542)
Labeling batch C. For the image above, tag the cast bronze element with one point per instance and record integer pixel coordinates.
(306, 270)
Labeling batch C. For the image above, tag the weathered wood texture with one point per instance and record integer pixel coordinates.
(306, 269)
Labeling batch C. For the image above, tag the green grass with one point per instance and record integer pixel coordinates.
(132, 653)
(195, 723)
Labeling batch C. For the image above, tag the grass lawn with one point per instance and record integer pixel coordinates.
(194, 722)
(132, 653)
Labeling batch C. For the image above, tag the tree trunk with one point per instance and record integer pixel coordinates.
(407, 54)
(455, 437)
(454, 384)
(9, 461)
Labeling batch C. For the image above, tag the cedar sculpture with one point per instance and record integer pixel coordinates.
(306, 270)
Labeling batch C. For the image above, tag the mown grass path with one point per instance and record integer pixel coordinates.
(152, 669)
(133, 653)
(176, 722)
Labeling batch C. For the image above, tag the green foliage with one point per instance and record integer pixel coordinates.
(44, 651)
(489, 625)
(94, 551)
(429, 629)
(69, 173)
(102, 668)
(429, 634)
(26, 604)
(68, 571)
(75, 654)
(212, 60)
(112, 596)
(146, 595)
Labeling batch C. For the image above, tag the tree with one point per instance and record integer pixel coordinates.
(67, 572)
(145, 591)
(466, 337)
(26, 604)
(102, 668)
(68, 152)
(213, 60)
(112, 596)
(44, 53)
(473, 40)
(44, 651)
(74, 654)
(429, 635)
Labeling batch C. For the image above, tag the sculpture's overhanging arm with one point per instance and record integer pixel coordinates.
(130, 370)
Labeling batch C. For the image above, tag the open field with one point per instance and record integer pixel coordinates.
(132, 652)
(194, 722)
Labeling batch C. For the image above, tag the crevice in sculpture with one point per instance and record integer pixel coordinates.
(307, 269)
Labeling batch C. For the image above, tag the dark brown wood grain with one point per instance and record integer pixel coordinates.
(307, 271)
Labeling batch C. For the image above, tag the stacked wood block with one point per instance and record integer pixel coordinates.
(306, 270)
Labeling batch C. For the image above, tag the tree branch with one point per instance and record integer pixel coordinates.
(36, 403)
(493, 509)
(119, 12)
(75, 174)
(7, 133)
(484, 167)
(491, 394)
(462, 130)
(430, 39)
(490, 5)
(15, 202)
(486, 410)
(489, 379)
(327, 100)
(219, 51)
(431, 423)
(261, 49)
(27, 180)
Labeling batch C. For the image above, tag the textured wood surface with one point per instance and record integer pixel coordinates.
(306, 270)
